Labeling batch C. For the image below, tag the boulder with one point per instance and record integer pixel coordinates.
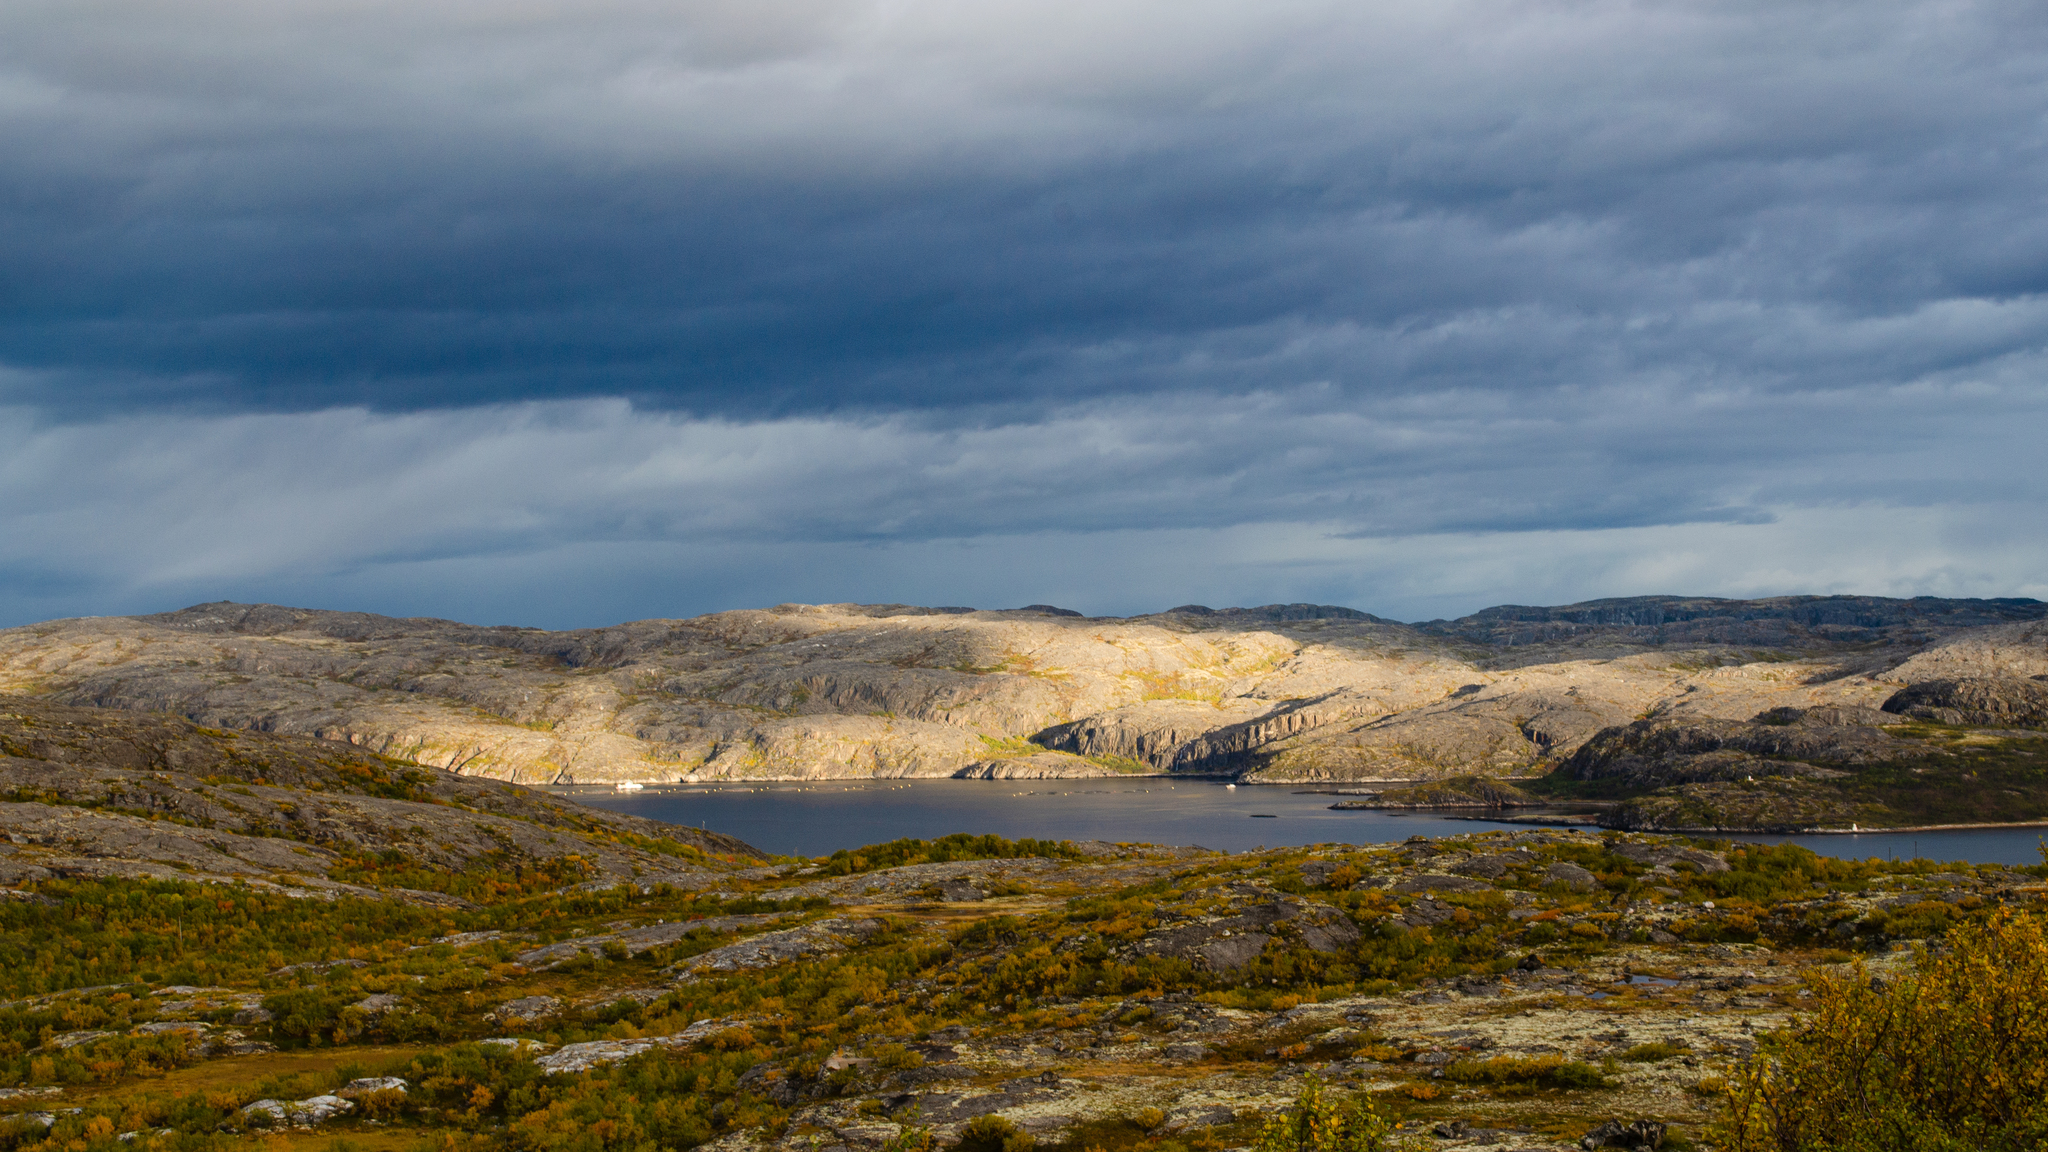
(959, 891)
(159, 1027)
(1426, 914)
(518, 1044)
(1571, 876)
(524, 1008)
(1633, 1134)
(298, 1113)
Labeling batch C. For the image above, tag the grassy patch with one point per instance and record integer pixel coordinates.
(1525, 1072)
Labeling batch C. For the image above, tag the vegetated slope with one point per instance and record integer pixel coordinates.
(100, 792)
(1280, 693)
(1503, 989)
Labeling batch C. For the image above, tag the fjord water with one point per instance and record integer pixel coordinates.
(818, 818)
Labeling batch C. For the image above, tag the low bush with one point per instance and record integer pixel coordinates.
(958, 846)
(1953, 1056)
(992, 1133)
(1532, 1071)
(1320, 1123)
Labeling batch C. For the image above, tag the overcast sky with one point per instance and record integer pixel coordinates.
(530, 311)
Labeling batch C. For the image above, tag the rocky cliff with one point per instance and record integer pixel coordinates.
(1280, 693)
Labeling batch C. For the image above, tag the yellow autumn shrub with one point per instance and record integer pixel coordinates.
(1953, 1055)
(1319, 1122)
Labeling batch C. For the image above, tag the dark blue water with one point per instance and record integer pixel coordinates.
(816, 819)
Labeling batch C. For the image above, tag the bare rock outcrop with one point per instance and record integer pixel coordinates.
(297, 1113)
(770, 948)
(1985, 701)
(1655, 753)
(91, 792)
(634, 941)
(1228, 939)
(2015, 649)
(1281, 693)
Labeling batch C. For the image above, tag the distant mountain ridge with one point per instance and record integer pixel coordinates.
(1813, 611)
(1280, 692)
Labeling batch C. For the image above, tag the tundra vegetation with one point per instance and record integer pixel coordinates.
(1522, 987)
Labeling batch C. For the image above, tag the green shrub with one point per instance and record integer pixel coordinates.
(958, 846)
(895, 1057)
(1533, 1071)
(1318, 1123)
(992, 1133)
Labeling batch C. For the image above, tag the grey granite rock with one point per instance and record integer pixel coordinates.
(297, 1113)
(1227, 942)
(770, 948)
(1571, 876)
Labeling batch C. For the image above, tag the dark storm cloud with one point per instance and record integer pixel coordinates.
(830, 299)
(824, 206)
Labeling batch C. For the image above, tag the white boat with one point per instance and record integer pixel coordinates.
(627, 786)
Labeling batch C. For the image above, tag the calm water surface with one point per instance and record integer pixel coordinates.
(816, 819)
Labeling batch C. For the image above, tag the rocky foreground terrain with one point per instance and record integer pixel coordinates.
(1543, 989)
(1284, 693)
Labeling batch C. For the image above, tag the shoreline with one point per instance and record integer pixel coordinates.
(1584, 819)
(2043, 824)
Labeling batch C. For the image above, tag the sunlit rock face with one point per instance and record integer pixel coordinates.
(1284, 693)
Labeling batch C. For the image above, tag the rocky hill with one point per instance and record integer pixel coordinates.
(97, 793)
(1282, 693)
